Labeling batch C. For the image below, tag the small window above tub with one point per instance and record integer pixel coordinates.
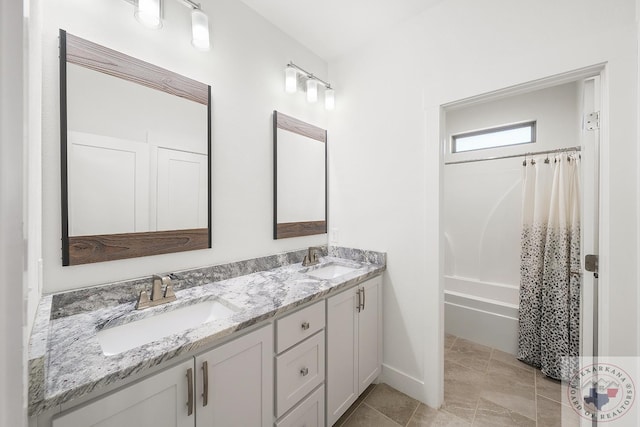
(499, 136)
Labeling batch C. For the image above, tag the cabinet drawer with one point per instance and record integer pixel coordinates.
(309, 413)
(298, 371)
(297, 326)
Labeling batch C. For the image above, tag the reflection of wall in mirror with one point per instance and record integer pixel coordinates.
(301, 178)
(130, 147)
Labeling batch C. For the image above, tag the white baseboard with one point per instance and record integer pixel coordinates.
(403, 382)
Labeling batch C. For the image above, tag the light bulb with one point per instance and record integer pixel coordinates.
(147, 12)
(290, 80)
(200, 30)
(312, 91)
(329, 99)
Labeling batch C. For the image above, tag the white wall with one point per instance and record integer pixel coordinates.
(246, 71)
(12, 146)
(388, 117)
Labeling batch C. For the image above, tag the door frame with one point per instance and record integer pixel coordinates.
(580, 74)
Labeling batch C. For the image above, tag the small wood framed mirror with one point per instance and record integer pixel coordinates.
(299, 178)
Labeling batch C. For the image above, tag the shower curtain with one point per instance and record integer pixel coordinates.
(549, 314)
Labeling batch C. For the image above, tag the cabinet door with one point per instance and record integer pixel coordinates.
(309, 413)
(158, 401)
(239, 386)
(369, 334)
(342, 356)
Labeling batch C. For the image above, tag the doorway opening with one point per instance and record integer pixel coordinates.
(482, 233)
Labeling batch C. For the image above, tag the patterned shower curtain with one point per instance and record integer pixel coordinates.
(549, 315)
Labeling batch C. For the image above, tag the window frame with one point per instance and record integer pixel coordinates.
(494, 129)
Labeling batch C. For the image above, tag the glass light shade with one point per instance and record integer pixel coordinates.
(329, 99)
(147, 12)
(200, 30)
(290, 80)
(312, 90)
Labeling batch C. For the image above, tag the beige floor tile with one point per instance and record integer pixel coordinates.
(469, 354)
(550, 388)
(511, 372)
(429, 417)
(354, 406)
(449, 340)
(366, 416)
(491, 415)
(510, 359)
(510, 387)
(554, 414)
(462, 388)
(392, 403)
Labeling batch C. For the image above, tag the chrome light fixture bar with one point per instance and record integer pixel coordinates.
(148, 13)
(291, 84)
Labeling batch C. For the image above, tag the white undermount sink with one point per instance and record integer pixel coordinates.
(130, 335)
(330, 271)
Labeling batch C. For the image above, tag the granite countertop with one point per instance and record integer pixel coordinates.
(66, 360)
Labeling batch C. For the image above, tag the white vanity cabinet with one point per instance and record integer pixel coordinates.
(157, 401)
(238, 391)
(354, 345)
(300, 367)
(234, 382)
(304, 368)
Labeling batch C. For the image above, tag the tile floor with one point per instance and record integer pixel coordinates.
(483, 387)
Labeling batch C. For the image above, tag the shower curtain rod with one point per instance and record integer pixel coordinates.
(535, 153)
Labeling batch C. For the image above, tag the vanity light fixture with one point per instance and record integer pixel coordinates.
(312, 91)
(147, 12)
(290, 80)
(200, 29)
(329, 98)
(292, 72)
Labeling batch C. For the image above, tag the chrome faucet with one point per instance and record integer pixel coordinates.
(311, 258)
(158, 296)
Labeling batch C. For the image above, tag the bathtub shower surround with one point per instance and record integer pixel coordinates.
(66, 360)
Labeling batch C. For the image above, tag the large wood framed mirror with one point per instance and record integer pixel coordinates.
(135, 156)
(300, 178)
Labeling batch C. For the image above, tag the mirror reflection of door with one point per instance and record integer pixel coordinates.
(111, 156)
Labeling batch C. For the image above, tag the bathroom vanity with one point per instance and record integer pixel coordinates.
(285, 346)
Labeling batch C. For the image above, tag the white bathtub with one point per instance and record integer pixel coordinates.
(483, 312)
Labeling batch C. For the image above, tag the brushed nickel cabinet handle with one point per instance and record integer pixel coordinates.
(304, 372)
(189, 391)
(205, 383)
(305, 326)
(359, 302)
(364, 298)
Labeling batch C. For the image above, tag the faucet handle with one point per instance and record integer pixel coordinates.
(168, 291)
(156, 289)
(143, 300)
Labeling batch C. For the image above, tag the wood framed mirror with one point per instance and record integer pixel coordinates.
(299, 179)
(135, 144)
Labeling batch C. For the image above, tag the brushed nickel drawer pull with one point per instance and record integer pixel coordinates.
(305, 326)
(205, 383)
(304, 372)
(189, 391)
